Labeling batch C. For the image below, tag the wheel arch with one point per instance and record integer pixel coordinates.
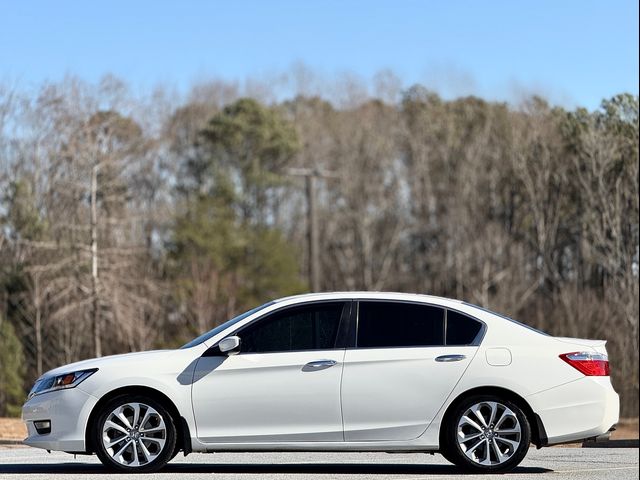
(183, 440)
(538, 432)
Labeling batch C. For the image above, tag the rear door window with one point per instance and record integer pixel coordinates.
(384, 324)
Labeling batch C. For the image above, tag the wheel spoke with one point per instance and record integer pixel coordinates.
(496, 449)
(115, 426)
(476, 411)
(159, 441)
(508, 431)
(494, 411)
(469, 452)
(123, 418)
(487, 453)
(136, 414)
(121, 451)
(136, 461)
(471, 436)
(505, 415)
(512, 443)
(466, 420)
(148, 455)
(114, 442)
(145, 419)
(152, 430)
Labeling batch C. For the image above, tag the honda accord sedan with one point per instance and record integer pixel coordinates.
(353, 372)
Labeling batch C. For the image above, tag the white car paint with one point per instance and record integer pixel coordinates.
(371, 399)
(372, 407)
(268, 398)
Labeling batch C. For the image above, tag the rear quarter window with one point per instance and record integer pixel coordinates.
(461, 329)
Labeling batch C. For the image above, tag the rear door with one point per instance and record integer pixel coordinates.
(401, 371)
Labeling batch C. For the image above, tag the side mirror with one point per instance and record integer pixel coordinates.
(230, 345)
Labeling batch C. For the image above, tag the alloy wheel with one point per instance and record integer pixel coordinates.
(134, 434)
(489, 433)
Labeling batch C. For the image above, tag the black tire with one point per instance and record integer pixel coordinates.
(452, 449)
(176, 451)
(160, 456)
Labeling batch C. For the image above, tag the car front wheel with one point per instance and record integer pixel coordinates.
(486, 434)
(134, 433)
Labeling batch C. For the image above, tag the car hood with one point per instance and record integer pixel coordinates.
(111, 360)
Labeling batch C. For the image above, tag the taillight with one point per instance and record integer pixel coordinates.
(592, 364)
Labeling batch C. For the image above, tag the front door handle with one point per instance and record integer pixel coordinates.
(318, 365)
(450, 358)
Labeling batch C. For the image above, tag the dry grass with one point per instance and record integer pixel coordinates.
(627, 429)
(12, 429)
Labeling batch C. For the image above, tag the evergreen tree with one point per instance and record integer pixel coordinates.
(12, 366)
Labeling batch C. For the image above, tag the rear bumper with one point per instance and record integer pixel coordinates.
(585, 408)
(68, 411)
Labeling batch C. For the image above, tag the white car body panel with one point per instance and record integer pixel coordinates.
(268, 398)
(380, 407)
(372, 379)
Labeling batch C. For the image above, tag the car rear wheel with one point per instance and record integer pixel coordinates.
(134, 433)
(488, 434)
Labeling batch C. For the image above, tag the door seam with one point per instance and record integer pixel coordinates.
(344, 355)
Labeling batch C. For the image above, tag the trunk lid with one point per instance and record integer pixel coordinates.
(596, 345)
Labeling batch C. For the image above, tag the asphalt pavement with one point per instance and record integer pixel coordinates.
(548, 463)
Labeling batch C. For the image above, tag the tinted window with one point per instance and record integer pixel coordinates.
(461, 330)
(309, 327)
(395, 324)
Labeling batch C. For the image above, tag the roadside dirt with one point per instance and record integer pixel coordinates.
(627, 429)
(12, 429)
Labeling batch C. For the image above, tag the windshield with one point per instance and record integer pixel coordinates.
(212, 333)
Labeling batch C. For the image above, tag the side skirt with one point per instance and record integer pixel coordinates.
(316, 447)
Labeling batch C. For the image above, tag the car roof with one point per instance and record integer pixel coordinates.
(475, 311)
(367, 295)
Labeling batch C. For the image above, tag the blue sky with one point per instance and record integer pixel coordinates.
(574, 52)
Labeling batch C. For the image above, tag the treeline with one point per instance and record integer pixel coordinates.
(131, 223)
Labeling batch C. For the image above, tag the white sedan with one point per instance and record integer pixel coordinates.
(348, 371)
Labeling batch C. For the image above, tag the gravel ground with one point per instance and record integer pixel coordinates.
(548, 463)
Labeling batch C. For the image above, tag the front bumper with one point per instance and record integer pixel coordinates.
(577, 410)
(68, 410)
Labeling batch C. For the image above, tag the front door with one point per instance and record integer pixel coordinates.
(283, 385)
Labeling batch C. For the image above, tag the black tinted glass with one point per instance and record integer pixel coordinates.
(395, 324)
(310, 327)
(461, 330)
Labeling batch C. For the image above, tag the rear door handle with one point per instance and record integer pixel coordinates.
(318, 365)
(450, 358)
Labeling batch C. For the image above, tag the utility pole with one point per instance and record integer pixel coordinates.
(312, 233)
(313, 239)
(95, 314)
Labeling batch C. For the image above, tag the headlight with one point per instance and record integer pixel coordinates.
(59, 382)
